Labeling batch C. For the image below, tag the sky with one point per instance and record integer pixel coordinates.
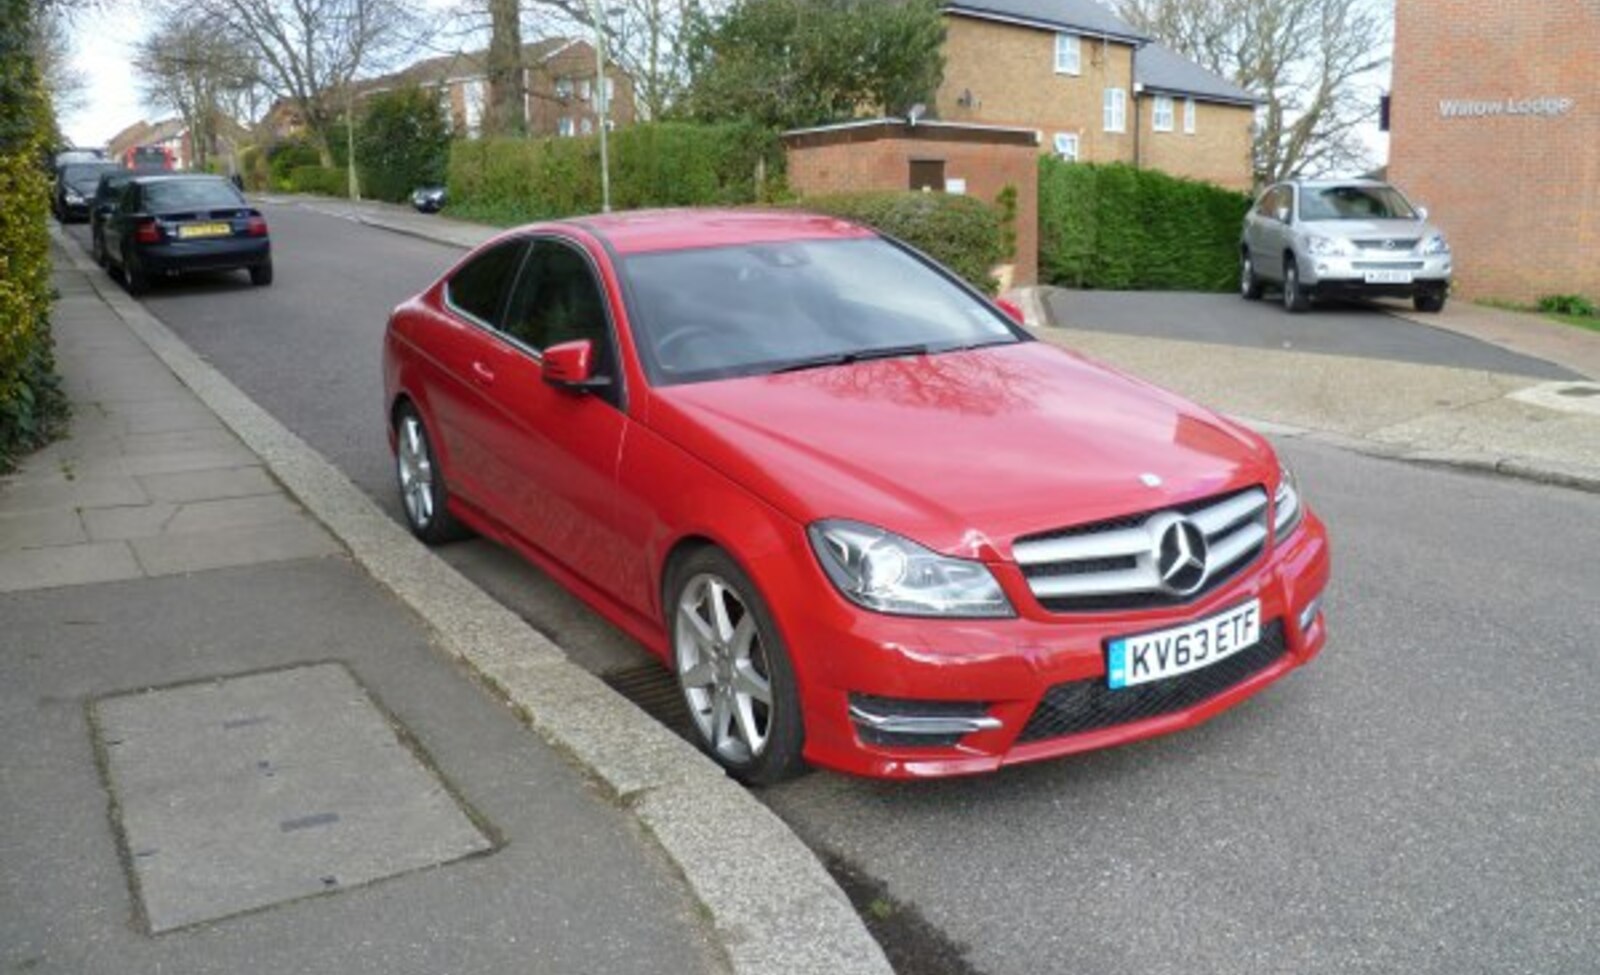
(103, 41)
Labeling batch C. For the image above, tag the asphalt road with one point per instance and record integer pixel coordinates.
(1424, 798)
(1343, 328)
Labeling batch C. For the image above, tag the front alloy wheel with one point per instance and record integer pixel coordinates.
(1295, 298)
(733, 672)
(422, 491)
(1249, 284)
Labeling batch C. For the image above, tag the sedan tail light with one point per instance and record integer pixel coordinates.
(147, 232)
(256, 226)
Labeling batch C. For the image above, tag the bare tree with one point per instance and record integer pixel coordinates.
(1307, 58)
(52, 56)
(307, 52)
(187, 67)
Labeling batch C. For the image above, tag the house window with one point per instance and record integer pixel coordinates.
(1066, 144)
(1161, 117)
(564, 126)
(586, 126)
(927, 174)
(1188, 116)
(583, 88)
(563, 87)
(1069, 57)
(1116, 110)
(473, 97)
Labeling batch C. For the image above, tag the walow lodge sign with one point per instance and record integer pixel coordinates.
(1547, 107)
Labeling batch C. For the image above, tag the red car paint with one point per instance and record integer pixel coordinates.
(963, 452)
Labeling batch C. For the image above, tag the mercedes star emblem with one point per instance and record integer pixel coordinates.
(1180, 555)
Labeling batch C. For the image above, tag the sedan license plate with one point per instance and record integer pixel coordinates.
(191, 230)
(1140, 659)
(1389, 277)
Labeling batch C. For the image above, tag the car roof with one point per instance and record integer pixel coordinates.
(165, 177)
(646, 231)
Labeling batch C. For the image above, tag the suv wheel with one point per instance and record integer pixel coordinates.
(1295, 299)
(1428, 301)
(1249, 284)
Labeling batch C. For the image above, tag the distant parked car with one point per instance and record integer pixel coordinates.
(75, 154)
(104, 201)
(169, 225)
(428, 199)
(1346, 238)
(75, 185)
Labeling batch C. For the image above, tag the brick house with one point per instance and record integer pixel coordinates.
(558, 81)
(1494, 122)
(1097, 89)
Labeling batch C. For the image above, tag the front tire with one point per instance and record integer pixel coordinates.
(423, 496)
(1431, 302)
(1249, 284)
(1295, 297)
(733, 669)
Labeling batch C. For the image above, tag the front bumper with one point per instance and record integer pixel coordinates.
(1352, 275)
(845, 656)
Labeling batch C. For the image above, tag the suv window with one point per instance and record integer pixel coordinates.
(1268, 207)
(557, 300)
(479, 288)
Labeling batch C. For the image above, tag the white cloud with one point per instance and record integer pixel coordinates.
(102, 52)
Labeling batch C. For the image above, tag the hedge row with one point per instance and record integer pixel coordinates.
(1120, 228)
(32, 407)
(323, 180)
(510, 181)
(963, 233)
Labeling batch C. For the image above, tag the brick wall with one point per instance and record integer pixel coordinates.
(885, 164)
(1218, 151)
(545, 108)
(1518, 194)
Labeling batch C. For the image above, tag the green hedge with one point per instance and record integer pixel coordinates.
(510, 181)
(963, 233)
(1120, 228)
(32, 407)
(402, 142)
(318, 179)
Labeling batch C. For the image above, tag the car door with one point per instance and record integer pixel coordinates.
(458, 373)
(1269, 250)
(560, 447)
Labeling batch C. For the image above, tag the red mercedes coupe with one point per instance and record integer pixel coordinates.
(865, 518)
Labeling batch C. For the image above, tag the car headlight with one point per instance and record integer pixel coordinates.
(883, 572)
(1327, 246)
(73, 196)
(1287, 507)
(1436, 245)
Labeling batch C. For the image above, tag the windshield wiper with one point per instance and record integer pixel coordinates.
(845, 358)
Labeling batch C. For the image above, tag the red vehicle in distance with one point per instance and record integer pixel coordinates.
(148, 158)
(865, 518)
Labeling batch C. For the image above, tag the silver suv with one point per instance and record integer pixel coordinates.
(1344, 238)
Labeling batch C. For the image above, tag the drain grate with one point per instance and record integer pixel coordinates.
(654, 689)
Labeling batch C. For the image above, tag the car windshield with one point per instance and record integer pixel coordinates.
(84, 176)
(190, 194)
(720, 312)
(1354, 203)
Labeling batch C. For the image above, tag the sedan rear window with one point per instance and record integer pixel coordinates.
(190, 194)
(720, 312)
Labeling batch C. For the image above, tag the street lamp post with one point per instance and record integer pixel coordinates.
(601, 103)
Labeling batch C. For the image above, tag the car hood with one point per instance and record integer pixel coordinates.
(962, 451)
(1361, 229)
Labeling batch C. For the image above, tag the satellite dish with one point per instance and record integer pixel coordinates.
(917, 111)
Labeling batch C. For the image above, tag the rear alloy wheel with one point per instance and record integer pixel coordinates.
(1249, 284)
(97, 249)
(1295, 299)
(133, 277)
(422, 490)
(1428, 301)
(261, 274)
(733, 670)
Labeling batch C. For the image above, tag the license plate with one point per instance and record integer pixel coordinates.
(1389, 277)
(190, 230)
(1132, 660)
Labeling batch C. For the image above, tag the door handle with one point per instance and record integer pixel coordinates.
(483, 374)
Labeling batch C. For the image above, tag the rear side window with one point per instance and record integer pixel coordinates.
(191, 194)
(479, 288)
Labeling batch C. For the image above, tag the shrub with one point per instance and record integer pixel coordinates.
(964, 234)
(402, 142)
(1117, 227)
(324, 180)
(1575, 305)
(253, 169)
(510, 181)
(32, 407)
(285, 157)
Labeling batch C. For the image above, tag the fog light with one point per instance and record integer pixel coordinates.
(1309, 614)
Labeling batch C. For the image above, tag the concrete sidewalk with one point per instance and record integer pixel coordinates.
(1540, 430)
(598, 842)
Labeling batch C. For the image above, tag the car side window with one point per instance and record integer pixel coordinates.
(1264, 207)
(557, 299)
(479, 287)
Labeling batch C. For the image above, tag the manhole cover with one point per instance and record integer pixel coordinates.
(247, 791)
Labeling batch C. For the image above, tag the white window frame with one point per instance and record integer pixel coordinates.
(563, 87)
(1189, 112)
(586, 126)
(565, 127)
(1069, 54)
(1163, 114)
(1115, 113)
(1066, 146)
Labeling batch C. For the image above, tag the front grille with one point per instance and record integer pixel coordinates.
(1085, 705)
(1387, 265)
(1382, 244)
(1111, 565)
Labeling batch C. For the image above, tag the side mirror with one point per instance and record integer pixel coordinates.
(570, 365)
(1012, 310)
(1422, 213)
(1282, 214)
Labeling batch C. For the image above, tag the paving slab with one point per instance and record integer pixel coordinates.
(66, 565)
(196, 551)
(229, 482)
(241, 792)
(41, 529)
